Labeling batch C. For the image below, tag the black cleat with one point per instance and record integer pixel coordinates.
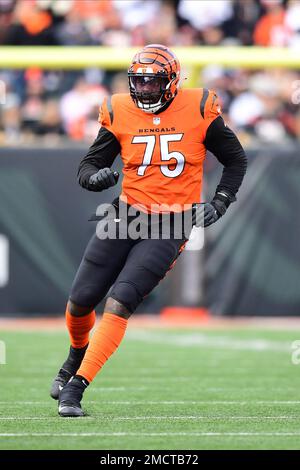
(70, 397)
(59, 382)
(68, 369)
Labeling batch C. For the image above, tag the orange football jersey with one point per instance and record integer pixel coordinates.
(162, 153)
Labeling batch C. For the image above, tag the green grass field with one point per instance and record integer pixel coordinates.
(163, 389)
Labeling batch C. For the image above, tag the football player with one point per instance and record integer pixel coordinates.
(162, 133)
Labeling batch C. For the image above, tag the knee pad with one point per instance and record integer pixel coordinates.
(85, 296)
(126, 293)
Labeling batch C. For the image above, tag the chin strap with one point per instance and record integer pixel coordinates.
(153, 110)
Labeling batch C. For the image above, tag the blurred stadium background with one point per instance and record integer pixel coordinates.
(59, 59)
(229, 382)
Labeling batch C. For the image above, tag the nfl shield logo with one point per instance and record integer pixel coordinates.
(156, 121)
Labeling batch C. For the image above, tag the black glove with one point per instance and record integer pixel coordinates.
(103, 179)
(208, 213)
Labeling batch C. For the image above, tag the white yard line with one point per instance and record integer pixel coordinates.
(149, 434)
(118, 379)
(208, 341)
(174, 402)
(117, 389)
(146, 418)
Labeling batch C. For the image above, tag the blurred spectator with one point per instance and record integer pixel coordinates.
(134, 22)
(30, 25)
(119, 83)
(257, 104)
(50, 123)
(271, 29)
(51, 104)
(73, 31)
(11, 120)
(205, 15)
(136, 12)
(6, 13)
(292, 21)
(79, 108)
(241, 24)
(162, 27)
(32, 109)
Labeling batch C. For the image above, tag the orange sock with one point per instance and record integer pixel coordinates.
(103, 344)
(79, 328)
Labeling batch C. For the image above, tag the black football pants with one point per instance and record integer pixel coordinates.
(132, 267)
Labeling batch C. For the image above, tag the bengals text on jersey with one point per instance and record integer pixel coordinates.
(163, 153)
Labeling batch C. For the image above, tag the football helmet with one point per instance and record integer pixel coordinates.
(153, 77)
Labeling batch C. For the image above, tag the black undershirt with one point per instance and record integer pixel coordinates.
(224, 144)
(219, 140)
(101, 154)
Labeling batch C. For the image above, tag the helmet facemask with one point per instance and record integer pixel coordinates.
(149, 91)
(153, 78)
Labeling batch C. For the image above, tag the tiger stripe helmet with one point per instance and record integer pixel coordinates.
(153, 77)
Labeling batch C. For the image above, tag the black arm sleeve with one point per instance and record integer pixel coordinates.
(101, 154)
(223, 143)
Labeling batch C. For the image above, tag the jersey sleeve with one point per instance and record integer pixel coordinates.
(210, 108)
(106, 115)
(213, 107)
